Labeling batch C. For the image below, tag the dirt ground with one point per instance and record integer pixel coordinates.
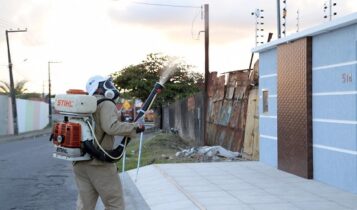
(158, 148)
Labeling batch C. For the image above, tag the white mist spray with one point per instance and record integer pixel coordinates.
(168, 70)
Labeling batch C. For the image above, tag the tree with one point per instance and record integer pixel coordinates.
(19, 87)
(138, 80)
(31, 96)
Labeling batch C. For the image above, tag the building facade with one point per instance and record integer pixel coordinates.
(308, 103)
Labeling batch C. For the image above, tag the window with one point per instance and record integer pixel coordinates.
(265, 101)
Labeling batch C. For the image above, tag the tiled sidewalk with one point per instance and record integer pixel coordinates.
(234, 185)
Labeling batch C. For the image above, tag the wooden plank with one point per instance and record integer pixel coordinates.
(256, 136)
(240, 91)
(251, 135)
(236, 109)
(219, 88)
(211, 134)
(241, 123)
(217, 106)
(231, 85)
(225, 112)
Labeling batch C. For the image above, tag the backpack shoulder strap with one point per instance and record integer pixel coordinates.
(98, 102)
(104, 99)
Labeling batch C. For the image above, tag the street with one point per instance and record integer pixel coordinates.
(30, 179)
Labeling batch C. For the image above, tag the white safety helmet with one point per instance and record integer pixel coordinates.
(105, 84)
(93, 84)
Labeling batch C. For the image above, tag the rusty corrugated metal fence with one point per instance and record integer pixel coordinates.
(185, 117)
(227, 108)
(226, 115)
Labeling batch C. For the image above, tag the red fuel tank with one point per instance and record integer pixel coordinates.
(67, 134)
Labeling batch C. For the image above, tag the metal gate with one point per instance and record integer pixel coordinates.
(295, 107)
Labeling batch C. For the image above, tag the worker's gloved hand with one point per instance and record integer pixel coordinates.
(140, 125)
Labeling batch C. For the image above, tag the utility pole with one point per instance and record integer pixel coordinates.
(278, 17)
(205, 110)
(49, 92)
(12, 86)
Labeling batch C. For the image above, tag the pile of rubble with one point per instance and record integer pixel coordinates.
(209, 153)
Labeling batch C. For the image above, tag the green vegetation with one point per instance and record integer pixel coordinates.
(159, 148)
(136, 81)
(19, 87)
(20, 90)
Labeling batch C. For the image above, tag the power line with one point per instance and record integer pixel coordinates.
(166, 5)
(5, 23)
(176, 6)
(192, 25)
(9, 24)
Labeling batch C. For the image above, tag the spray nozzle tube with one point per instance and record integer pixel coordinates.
(150, 99)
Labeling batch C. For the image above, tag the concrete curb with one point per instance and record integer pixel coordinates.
(26, 135)
(132, 197)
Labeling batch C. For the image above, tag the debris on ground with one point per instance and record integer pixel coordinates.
(209, 153)
(171, 148)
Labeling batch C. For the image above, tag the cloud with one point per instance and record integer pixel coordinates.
(182, 24)
(102, 36)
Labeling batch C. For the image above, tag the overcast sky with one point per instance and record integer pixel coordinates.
(94, 37)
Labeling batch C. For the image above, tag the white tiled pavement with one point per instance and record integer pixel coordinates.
(234, 185)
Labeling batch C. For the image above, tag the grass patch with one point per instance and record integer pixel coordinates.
(159, 148)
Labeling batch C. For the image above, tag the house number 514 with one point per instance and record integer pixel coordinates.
(347, 78)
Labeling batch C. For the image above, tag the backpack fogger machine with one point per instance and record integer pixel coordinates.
(74, 137)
